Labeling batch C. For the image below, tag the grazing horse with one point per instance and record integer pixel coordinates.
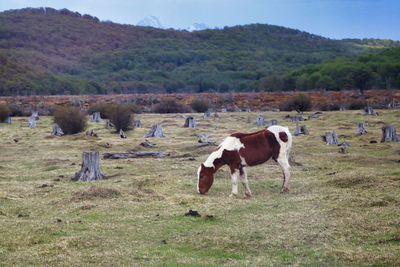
(247, 149)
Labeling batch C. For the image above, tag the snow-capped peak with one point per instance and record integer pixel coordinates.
(198, 27)
(150, 21)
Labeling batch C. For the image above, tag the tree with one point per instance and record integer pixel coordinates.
(361, 78)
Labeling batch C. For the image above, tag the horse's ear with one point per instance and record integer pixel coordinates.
(202, 165)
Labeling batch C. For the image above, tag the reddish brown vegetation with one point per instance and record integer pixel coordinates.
(217, 100)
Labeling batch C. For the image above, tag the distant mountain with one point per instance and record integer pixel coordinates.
(48, 51)
(150, 21)
(198, 27)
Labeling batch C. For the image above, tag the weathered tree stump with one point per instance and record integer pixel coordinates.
(90, 169)
(272, 122)
(126, 155)
(35, 115)
(91, 133)
(315, 116)
(8, 120)
(260, 120)
(343, 149)
(122, 134)
(301, 130)
(361, 129)
(32, 122)
(137, 124)
(297, 118)
(146, 143)
(201, 139)
(57, 131)
(96, 117)
(155, 131)
(189, 122)
(207, 115)
(223, 110)
(248, 110)
(108, 124)
(369, 111)
(389, 134)
(330, 138)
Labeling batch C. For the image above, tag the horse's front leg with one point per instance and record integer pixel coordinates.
(235, 177)
(245, 182)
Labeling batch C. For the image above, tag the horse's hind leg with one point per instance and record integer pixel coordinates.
(245, 182)
(284, 164)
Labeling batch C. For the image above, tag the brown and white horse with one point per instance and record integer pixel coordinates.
(247, 149)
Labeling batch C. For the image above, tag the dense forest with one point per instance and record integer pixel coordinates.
(48, 51)
(372, 71)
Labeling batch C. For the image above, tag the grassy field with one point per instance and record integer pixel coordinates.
(342, 210)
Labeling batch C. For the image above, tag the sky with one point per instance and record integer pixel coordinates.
(336, 19)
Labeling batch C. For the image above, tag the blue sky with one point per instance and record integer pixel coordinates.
(335, 19)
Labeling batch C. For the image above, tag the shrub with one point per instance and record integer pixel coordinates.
(200, 105)
(103, 108)
(4, 112)
(120, 116)
(356, 104)
(298, 102)
(329, 107)
(71, 120)
(170, 106)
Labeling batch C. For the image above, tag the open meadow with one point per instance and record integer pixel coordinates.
(342, 209)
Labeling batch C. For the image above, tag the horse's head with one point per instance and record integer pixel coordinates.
(205, 177)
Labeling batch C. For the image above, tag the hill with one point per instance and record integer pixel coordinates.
(50, 51)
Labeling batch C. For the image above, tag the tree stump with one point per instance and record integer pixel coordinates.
(57, 131)
(223, 110)
(330, 138)
(207, 115)
(272, 122)
(369, 111)
(122, 134)
(96, 117)
(297, 118)
(108, 124)
(260, 120)
(35, 115)
(248, 110)
(32, 122)
(315, 116)
(361, 129)
(202, 141)
(137, 124)
(389, 134)
(343, 149)
(91, 133)
(189, 122)
(146, 143)
(90, 168)
(8, 120)
(301, 130)
(155, 131)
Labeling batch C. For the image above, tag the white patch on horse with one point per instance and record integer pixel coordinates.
(283, 157)
(230, 143)
(198, 179)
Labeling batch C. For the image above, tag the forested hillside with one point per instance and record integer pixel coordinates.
(48, 51)
(377, 71)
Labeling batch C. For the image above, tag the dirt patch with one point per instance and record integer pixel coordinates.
(96, 192)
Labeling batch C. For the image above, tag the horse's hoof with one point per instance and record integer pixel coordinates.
(284, 190)
(233, 195)
(248, 195)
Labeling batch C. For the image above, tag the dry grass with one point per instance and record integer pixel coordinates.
(343, 209)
